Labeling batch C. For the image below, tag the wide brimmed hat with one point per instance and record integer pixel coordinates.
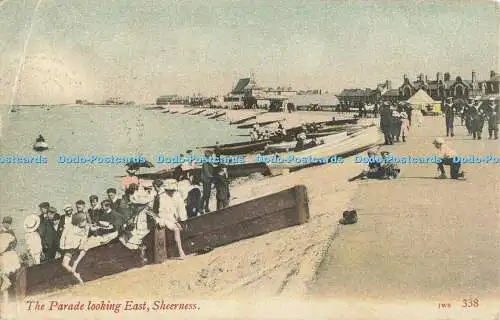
(438, 141)
(67, 207)
(170, 185)
(395, 114)
(44, 205)
(31, 223)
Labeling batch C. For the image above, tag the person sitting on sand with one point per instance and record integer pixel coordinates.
(389, 169)
(374, 170)
(446, 155)
(73, 241)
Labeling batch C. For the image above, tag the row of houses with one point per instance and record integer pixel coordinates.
(438, 89)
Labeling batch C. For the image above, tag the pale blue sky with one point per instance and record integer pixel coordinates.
(141, 49)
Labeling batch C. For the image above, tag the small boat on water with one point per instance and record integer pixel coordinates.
(264, 123)
(40, 146)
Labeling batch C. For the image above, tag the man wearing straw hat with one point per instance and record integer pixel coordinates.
(170, 209)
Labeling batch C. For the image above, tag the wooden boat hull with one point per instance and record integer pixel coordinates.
(154, 108)
(234, 171)
(361, 140)
(217, 116)
(245, 149)
(243, 120)
(245, 220)
(255, 217)
(289, 146)
(250, 125)
(197, 113)
(186, 112)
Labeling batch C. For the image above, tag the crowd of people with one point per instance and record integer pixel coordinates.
(144, 205)
(473, 115)
(395, 121)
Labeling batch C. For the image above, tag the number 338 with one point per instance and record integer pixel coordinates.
(470, 303)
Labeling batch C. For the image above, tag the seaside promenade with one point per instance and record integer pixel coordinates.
(422, 239)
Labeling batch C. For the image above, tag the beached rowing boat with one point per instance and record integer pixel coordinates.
(155, 108)
(289, 146)
(233, 171)
(355, 143)
(210, 114)
(186, 112)
(217, 115)
(246, 148)
(243, 120)
(264, 123)
(197, 113)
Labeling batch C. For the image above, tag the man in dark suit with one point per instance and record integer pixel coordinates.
(449, 112)
(386, 122)
(48, 234)
(115, 201)
(112, 216)
(221, 181)
(207, 177)
(94, 209)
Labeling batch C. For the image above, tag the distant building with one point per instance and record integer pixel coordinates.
(114, 101)
(172, 99)
(355, 97)
(247, 94)
(444, 86)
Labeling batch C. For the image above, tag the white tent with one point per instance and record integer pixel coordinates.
(421, 99)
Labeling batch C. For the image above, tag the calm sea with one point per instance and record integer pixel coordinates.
(89, 130)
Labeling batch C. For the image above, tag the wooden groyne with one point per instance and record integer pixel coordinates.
(245, 220)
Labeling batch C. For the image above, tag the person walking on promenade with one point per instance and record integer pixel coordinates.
(207, 176)
(493, 119)
(445, 155)
(396, 126)
(449, 112)
(386, 123)
(467, 114)
(405, 125)
(477, 120)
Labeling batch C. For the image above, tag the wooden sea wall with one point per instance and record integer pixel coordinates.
(245, 220)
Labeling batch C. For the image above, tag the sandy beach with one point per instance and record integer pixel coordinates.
(418, 241)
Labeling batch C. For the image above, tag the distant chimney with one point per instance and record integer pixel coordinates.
(425, 78)
(405, 76)
(473, 76)
(492, 74)
(388, 84)
(446, 76)
(438, 77)
(421, 77)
